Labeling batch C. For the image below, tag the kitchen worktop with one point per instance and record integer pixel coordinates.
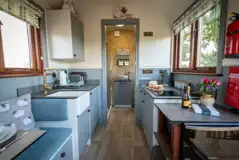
(175, 113)
(40, 95)
(19, 146)
(168, 93)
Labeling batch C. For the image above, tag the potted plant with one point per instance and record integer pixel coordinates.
(208, 89)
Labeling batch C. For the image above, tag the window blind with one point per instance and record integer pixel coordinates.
(193, 13)
(25, 10)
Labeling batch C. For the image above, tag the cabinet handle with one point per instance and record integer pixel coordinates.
(142, 101)
(145, 94)
(63, 154)
(141, 91)
(74, 55)
(88, 110)
(90, 93)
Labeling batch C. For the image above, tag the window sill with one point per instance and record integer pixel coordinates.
(197, 73)
(19, 75)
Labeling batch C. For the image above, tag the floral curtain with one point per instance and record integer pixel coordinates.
(196, 11)
(24, 10)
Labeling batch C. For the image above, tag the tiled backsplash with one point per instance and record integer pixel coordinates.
(195, 79)
(145, 78)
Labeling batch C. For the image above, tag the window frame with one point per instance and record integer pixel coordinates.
(36, 69)
(193, 68)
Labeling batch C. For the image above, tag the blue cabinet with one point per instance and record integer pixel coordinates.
(146, 105)
(94, 108)
(83, 121)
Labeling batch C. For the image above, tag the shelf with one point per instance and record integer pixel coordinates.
(164, 145)
(230, 62)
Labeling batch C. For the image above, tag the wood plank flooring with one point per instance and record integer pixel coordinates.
(120, 139)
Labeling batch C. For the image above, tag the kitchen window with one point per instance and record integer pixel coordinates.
(20, 47)
(196, 46)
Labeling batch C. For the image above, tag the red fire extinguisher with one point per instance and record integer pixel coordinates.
(232, 41)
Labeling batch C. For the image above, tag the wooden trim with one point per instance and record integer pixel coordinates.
(19, 75)
(197, 73)
(175, 141)
(1, 52)
(195, 44)
(192, 54)
(36, 69)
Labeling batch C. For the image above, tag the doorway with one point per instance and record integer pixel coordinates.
(121, 65)
(107, 75)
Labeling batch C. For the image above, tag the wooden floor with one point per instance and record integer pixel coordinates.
(120, 139)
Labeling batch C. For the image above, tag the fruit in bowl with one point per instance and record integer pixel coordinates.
(158, 87)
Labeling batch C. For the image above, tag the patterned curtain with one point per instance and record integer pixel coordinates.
(196, 11)
(24, 10)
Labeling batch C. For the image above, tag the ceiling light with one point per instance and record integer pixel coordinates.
(120, 25)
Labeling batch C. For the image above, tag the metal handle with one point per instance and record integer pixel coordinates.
(90, 93)
(88, 110)
(145, 94)
(141, 91)
(142, 101)
(63, 154)
(74, 55)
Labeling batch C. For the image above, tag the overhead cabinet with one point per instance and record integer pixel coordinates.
(65, 36)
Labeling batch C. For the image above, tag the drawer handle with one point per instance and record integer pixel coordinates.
(63, 154)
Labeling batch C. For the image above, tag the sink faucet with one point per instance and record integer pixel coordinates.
(45, 86)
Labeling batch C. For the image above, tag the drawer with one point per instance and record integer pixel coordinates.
(65, 152)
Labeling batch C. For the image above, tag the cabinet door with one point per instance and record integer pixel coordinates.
(94, 105)
(77, 38)
(83, 129)
(149, 120)
(123, 93)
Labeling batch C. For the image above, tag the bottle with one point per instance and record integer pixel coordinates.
(186, 100)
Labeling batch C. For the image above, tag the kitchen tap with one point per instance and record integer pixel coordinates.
(161, 76)
(45, 86)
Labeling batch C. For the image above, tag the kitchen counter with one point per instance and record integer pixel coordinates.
(176, 114)
(167, 95)
(19, 146)
(40, 95)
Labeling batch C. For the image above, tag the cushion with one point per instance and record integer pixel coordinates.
(17, 112)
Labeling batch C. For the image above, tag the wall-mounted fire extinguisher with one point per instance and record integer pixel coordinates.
(232, 41)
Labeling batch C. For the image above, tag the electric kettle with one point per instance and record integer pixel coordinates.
(63, 77)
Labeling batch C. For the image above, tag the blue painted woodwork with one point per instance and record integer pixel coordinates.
(46, 109)
(48, 146)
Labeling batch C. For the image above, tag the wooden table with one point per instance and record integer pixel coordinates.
(178, 118)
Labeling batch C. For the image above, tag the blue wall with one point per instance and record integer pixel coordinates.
(195, 79)
(9, 86)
